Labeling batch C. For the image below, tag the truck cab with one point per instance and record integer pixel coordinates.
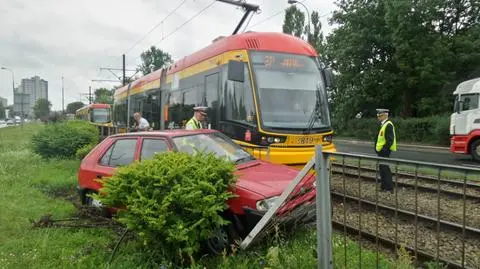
(465, 120)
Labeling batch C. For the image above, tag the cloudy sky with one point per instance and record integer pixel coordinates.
(73, 39)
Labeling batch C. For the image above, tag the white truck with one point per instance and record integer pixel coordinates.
(465, 120)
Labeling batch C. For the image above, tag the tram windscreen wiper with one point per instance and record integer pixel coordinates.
(314, 116)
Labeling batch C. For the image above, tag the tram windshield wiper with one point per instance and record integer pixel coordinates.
(314, 116)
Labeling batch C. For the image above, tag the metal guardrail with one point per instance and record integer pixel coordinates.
(420, 215)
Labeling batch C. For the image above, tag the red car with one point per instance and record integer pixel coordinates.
(259, 184)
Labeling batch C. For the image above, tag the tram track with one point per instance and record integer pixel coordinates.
(454, 245)
(456, 189)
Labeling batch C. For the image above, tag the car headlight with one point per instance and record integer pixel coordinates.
(265, 204)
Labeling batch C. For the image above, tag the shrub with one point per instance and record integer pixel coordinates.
(83, 151)
(430, 130)
(64, 139)
(173, 201)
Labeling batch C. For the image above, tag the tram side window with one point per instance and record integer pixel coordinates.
(175, 101)
(238, 98)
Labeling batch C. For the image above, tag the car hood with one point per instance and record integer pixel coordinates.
(265, 178)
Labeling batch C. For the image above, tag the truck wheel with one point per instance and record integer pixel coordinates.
(475, 150)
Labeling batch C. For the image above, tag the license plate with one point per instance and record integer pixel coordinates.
(308, 140)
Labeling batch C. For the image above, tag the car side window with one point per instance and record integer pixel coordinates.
(122, 152)
(152, 146)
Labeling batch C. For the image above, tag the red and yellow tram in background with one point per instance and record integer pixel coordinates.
(96, 114)
(267, 91)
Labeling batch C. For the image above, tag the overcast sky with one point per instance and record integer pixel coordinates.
(51, 38)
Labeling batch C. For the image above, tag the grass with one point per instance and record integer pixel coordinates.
(32, 187)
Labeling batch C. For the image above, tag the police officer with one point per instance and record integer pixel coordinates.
(386, 143)
(195, 123)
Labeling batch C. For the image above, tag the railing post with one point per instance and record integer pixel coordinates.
(323, 207)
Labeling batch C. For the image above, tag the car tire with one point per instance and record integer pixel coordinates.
(475, 150)
(221, 240)
(97, 207)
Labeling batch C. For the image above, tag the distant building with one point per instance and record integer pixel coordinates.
(3, 101)
(27, 94)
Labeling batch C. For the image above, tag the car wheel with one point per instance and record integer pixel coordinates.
(95, 204)
(221, 239)
(475, 150)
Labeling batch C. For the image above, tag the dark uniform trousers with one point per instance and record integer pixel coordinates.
(385, 173)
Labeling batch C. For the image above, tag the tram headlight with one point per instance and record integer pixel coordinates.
(273, 139)
(328, 138)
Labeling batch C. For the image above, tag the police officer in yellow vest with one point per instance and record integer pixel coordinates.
(386, 143)
(195, 123)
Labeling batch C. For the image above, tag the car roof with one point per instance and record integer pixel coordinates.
(167, 133)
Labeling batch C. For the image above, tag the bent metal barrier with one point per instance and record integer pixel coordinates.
(433, 213)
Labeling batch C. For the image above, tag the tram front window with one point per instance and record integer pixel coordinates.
(289, 88)
(100, 115)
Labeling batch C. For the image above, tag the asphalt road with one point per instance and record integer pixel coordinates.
(409, 152)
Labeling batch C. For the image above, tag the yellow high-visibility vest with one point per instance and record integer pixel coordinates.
(381, 141)
(193, 124)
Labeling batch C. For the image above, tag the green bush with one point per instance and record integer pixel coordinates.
(173, 201)
(64, 139)
(83, 151)
(431, 130)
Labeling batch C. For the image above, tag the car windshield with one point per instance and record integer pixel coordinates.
(101, 115)
(216, 143)
(289, 88)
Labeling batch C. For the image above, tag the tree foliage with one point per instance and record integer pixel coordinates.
(407, 56)
(73, 107)
(154, 59)
(2, 111)
(41, 109)
(64, 139)
(294, 22)
(172, 201)
(404, 55)
(103, 96)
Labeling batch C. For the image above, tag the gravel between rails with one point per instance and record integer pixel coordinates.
(450, 241)
(451, 209)
(420, 182)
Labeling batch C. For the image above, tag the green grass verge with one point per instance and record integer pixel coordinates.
(32, 187)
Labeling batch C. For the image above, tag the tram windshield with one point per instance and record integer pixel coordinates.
(291, 91)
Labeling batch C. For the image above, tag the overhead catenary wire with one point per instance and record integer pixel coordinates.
(156, 26)
(183, 24)
(280, 12)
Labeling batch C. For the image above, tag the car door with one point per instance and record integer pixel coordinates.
(122, 151)
(152, 145)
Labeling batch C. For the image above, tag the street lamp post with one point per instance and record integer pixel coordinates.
(13, 89)
(292, 2)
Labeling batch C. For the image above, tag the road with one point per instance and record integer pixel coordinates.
(409, 152)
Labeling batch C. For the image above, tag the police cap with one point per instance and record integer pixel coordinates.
(382, 111)
(201, 109)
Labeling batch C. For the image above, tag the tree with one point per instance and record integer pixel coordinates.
(41, 109)
(73, 107)
(154, 59)
(294, 22)
(405, 55)
(2, 111)
(103, 96)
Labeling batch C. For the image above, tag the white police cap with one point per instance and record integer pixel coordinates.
(382, 110)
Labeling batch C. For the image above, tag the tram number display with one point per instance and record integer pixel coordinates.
(282, 62)
(308, 140)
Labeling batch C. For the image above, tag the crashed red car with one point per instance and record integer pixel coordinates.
(259, 184)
